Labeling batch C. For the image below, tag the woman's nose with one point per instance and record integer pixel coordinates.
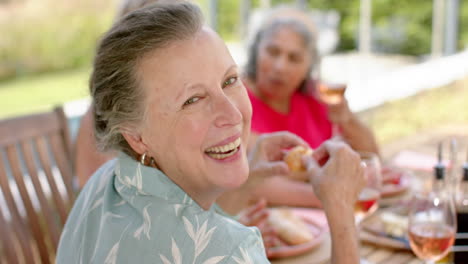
(279, 63)
(227, 111)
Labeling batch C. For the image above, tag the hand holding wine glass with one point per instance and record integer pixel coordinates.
(432, 226)
(332, 94)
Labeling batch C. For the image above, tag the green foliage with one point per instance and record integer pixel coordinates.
(32, 93)
(410, 20)
(463, 30)
(398, 26)
(39, 38)
(228, 19)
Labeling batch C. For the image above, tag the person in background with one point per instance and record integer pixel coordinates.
(278, 76)
(168, 99)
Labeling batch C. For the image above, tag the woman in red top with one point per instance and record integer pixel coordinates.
(280, 64)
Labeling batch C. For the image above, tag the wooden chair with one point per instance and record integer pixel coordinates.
(36, 186)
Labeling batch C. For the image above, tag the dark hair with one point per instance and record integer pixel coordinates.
(270, 29)
(118, 100)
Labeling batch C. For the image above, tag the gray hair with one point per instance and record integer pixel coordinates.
(118, 100)
(270, 29)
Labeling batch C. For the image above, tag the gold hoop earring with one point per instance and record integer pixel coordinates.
(143, 158)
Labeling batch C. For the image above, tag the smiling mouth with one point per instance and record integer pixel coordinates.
(225, 151)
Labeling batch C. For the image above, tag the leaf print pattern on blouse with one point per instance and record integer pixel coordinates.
(245, 258)
(200, 236)
(112, 256)
(176, 256)
(214, 260)
(177, 209)
(146, 226)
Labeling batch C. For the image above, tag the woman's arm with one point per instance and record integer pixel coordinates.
(87, 157)
(359, 136)
(280, 190)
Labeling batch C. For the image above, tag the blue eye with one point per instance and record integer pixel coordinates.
(230, 81)
(191, 101)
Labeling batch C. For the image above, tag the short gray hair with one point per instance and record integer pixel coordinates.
(118, 100)
(273, 27)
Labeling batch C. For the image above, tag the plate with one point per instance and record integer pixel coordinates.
(387, 227)
(316, 221)
(395, 181)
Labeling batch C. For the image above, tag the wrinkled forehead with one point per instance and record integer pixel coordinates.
(201, 59)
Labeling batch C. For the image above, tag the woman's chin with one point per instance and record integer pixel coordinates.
(232, 178)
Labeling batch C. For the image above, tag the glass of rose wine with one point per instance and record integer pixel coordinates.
(432, 226)
(367, 202)
(331, 94)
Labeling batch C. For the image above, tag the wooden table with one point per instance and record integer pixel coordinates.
(371, 253)
(380, 255)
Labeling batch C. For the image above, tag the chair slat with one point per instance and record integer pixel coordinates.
(45, 143)
(17, 129)
(42, 150)
(64, 133)
(17, 222)
(7, 242)
(64, 166)
(46, 209)
(33, 219)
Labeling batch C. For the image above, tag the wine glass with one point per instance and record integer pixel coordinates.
(331, 94)
(367, 202)
(432, 225)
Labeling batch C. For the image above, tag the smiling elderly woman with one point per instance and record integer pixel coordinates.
(167, 96)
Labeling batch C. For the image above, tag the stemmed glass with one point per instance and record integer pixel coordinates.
(432, 225)
(331, 94)
(367, 202)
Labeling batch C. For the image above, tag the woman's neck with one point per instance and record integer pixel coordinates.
(280, 105)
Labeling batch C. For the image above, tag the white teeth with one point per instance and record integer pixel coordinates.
(222, 156)
(222, 149)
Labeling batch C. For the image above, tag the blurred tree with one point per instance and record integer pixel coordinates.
(398, 26)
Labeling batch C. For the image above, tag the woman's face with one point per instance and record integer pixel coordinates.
(198, 115)
(283, 62)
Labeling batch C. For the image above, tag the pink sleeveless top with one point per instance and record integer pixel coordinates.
(307, 118)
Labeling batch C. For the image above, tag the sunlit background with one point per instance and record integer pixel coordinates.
(405, 61)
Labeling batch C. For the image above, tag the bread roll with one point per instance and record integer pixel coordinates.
(289, 227)
(294, 158)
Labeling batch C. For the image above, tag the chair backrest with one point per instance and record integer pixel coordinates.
(36, 186)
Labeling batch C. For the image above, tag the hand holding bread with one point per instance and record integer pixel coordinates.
(294, 158)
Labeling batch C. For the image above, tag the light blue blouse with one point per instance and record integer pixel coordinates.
(130, 213)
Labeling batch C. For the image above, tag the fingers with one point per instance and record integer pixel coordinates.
(274, 143)
(330, 148)
(286, 139)
(311, 165)
(321, 154)
(266, 169)
(254, 215)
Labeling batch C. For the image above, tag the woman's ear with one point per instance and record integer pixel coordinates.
(135, 141)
